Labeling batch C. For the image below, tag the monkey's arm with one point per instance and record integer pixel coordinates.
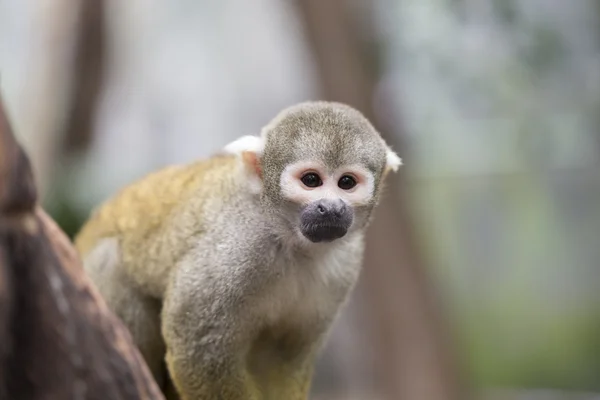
(208, 325)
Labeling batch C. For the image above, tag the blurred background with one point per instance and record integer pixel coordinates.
(481, 279)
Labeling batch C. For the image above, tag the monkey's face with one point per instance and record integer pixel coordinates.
(321, 168)
(327, 203)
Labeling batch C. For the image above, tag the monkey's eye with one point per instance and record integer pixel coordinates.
(311, 180)
(346, 182)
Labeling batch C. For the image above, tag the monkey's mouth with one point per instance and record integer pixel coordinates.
(323, 233)
(325, 220)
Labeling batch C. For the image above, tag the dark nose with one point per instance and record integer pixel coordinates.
(331, 208)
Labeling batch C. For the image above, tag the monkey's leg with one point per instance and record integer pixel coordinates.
(139, 313)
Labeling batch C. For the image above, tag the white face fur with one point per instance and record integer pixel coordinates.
(307, 181)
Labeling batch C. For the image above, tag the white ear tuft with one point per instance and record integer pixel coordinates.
(254, 144)
(392, 161)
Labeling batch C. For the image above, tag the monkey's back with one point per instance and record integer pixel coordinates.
(139, 217)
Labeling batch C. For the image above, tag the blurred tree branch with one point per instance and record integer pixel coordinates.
(88, 76)
(415, 357)
(89, 67)
(58, 339)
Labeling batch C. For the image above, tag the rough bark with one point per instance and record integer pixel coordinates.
(414, 359)
(58, 340)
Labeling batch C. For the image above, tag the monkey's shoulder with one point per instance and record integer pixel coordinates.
(147, 205)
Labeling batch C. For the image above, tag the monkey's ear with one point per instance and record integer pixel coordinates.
(249, 149)
(392, 161)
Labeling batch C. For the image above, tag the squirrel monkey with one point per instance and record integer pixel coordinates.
(231, 270)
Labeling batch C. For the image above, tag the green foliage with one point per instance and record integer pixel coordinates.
(545, 51)
(59, 205)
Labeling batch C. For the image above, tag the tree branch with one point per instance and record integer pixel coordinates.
(58, 340)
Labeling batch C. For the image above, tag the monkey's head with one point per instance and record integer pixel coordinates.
(318, 166)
